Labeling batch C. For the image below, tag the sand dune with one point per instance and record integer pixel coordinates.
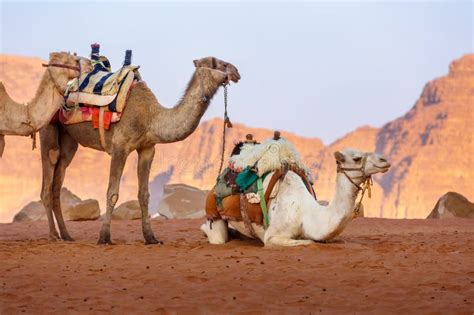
(377, 266)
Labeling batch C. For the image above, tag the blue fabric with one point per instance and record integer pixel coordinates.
(100, 84)
(86, 80)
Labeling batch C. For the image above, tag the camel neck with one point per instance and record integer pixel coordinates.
(45, 103)
(325, 222)
(22, 120)
(344, 197)
(177, 123)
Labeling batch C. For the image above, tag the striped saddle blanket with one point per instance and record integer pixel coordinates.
(101, 88)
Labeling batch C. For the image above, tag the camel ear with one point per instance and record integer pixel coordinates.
(339, 156)
(214, 63)
(195, 63)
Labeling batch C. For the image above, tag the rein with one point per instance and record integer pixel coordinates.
(59, 65)
(363, 186)
(227, 122)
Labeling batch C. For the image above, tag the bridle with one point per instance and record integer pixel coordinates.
(227, 122)
(60, 65)
(364, 184)
(28, 121)
(204, 97)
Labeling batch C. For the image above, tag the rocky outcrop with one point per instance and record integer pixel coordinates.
(129, 210)
(431, 147)
(182, 202)
(73, 209)
(33, 211)
(452, 205)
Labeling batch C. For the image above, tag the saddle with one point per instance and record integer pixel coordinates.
(235, 207)
(99, 96)
(101, 88)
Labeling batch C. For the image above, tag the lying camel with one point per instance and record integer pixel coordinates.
(295, 217)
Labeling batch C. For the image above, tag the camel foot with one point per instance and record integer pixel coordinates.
(104, 239)
(67, 238)
(104, 242)
(54, 236)
(152, 241)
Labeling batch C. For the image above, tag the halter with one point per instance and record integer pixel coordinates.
(204, 97)
(363, 186)
(28, 121)
(59, 65)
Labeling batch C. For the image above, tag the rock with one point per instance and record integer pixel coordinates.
(452, 205)
(182, 202)
(73, 209)
(34, 211)
(129, 210)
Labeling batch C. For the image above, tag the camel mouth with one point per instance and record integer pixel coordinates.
(233, 77)
(232, 73)
(384, 168)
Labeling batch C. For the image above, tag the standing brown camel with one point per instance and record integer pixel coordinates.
(144, 123)
(18, 119)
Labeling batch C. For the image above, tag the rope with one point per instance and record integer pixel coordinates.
(227, 124)
(30, 124)
(367, 183)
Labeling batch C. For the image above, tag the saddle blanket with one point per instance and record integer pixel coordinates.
(101, 88)
(88, 113)
(229, 207)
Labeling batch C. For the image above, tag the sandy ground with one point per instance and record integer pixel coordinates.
(375, 266)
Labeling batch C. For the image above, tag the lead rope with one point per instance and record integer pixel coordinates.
(227, 124)
(367, 186)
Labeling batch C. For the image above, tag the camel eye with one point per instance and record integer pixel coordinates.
(357, 159)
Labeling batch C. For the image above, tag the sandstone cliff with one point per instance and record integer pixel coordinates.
(430, 147)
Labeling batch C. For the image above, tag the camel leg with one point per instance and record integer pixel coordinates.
(49, 158)
(119, 157)
(68, 149)
(217, 231)
(285, 241)
(275, 237)
(145, 158)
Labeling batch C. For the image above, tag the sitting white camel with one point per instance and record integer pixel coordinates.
(295, 217)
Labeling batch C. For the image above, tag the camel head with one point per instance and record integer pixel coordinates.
(64, 66)
(358, 164)
(213, 63)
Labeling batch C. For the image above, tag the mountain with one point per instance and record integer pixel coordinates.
(430, 148)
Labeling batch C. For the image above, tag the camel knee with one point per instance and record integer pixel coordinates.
(216, 231)
(112, 200)
(53, 156)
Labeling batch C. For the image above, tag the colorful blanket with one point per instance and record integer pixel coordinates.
(88, 113)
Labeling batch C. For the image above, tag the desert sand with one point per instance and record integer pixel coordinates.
(375, 266)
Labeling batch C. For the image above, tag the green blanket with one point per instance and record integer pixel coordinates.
(246, 178)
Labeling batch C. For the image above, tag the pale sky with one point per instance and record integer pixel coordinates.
(319, 69)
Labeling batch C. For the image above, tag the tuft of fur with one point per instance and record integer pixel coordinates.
(268, 156)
